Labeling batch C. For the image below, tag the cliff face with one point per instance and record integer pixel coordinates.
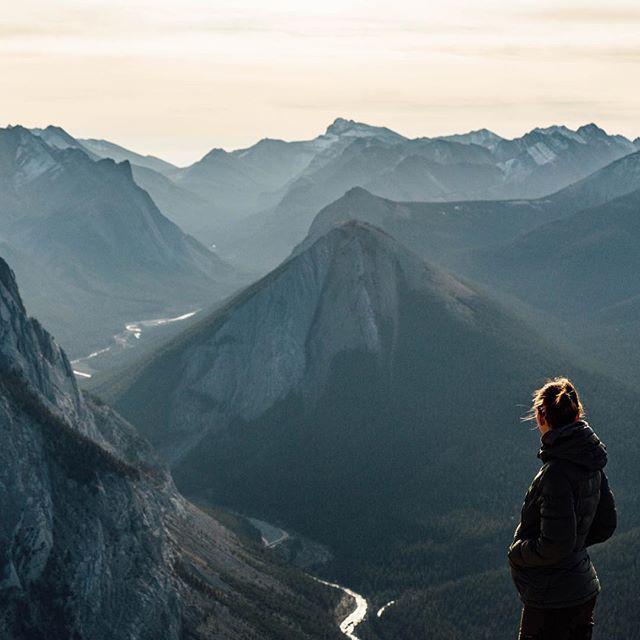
(95, 542)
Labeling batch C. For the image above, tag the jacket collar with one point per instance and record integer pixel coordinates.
(576, 443)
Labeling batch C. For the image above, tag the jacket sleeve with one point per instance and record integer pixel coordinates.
(606, 517)
(557, 538)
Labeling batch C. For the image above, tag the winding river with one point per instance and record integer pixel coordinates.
(349, 624)
(127, 338)
(273, 536)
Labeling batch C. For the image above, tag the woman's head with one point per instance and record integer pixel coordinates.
(555, 404)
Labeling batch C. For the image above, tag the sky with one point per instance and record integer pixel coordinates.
(177, 78)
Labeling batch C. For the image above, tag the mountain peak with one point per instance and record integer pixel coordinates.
(591, 129)
(350, 242)
(358, 192)
(554, 128)
(57, 137)
(341, 127)
(216, 153)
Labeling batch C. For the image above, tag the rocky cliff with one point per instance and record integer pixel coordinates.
(95, 541)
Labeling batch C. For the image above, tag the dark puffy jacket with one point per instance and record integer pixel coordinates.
(568, 507)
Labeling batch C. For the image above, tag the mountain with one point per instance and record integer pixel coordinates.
(360, 396)
(91, 248)
(256, 204)
(442, 232)
(248, 181)
(446, 232)
(616, 179)
(422, 169)
(574, 252)
(437, 170)
(546, 160)
(187, 209)
(278, 185)
(106, 149)
(95, 541)
(239, 183)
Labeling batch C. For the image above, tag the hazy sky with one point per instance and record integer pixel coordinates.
(178, 77)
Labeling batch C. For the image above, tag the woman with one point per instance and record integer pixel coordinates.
(568, 507)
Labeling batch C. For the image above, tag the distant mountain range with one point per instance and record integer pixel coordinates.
(441, 169)
(91, 248)
(95, 541)
(255, 204)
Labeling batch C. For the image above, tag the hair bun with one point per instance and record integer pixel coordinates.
(558, 401)
(566, 395)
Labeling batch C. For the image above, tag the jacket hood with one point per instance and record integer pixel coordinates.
(576, 443)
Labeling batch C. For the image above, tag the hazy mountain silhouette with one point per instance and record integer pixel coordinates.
(445, 232)
(255, 204)
(91, 247)
(442, 169)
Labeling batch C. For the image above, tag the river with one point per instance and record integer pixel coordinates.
(272, 536)
(85, 367)
(349, 624)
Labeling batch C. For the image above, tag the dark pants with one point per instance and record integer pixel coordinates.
(573, 623)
